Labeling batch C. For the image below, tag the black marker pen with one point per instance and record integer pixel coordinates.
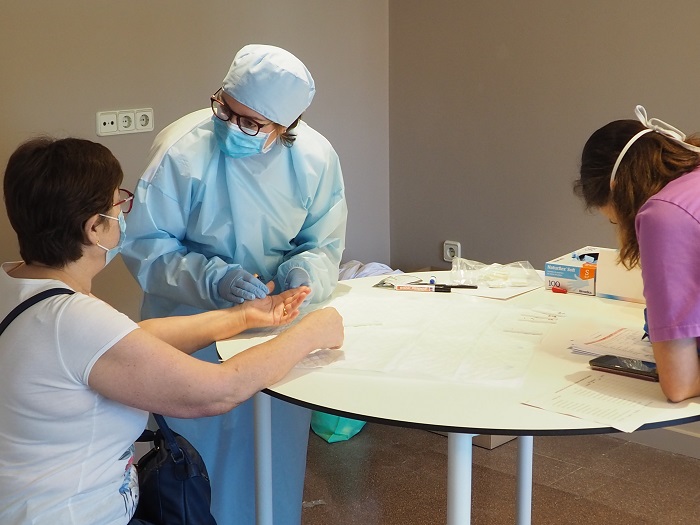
(423, 287)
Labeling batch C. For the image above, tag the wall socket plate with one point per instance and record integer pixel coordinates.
(125, 121)
(107, 123)
(450, 250)
(122, 121)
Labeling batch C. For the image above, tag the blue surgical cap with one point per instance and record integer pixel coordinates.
(271, 81)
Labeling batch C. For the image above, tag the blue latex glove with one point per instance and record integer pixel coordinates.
(238, 286)
(298, 277)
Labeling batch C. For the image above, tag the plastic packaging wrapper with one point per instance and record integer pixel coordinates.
(515, 274)
(334, 428)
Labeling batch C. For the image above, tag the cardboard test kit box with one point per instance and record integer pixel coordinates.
(574, 271)
(614, 281)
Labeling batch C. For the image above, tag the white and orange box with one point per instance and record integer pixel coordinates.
(614, 281)
(575, 271)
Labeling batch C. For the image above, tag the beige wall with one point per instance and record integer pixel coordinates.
(491, 103)
(62, 61)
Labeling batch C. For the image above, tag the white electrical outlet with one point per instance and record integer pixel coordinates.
(450, 250)
(107, 123)
(121, 121)
(144, 119)
(125, 122)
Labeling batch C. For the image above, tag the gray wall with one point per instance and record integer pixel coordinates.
(491, 103)
(61, 62)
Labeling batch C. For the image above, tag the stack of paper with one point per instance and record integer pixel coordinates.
(623, 342)
(623, 403)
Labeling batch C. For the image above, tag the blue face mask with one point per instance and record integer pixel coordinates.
(112, 252)
(234, 143)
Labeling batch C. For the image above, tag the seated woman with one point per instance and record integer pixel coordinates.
(78, 378)
(644, 176)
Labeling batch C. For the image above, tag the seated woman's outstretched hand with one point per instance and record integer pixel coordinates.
(274, 310)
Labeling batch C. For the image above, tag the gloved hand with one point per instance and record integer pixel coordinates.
(298, 277)
(238, 286)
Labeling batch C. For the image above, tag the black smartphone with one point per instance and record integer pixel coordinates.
(625, 366)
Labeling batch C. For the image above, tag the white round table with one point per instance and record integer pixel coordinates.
(461, 409)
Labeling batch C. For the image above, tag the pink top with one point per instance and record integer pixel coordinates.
(668, 230)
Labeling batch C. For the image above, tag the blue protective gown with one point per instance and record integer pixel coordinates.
(198, 214)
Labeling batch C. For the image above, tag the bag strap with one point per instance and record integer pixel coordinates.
(21, 307)
(147, 434)
(175, 451)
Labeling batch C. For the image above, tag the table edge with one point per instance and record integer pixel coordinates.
(476, 430)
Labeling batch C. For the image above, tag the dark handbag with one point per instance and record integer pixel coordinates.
(174, 484)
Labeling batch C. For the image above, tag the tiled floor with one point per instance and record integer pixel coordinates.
(395, 476)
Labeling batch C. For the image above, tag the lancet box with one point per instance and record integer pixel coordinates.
(574, 272)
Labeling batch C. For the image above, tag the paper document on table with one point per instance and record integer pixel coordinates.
(433, 336)
(441, 336)
(623, 403)
(623, 342)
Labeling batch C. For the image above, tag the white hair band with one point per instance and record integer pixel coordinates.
(653, 124)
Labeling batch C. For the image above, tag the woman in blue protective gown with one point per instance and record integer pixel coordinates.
(236, 201)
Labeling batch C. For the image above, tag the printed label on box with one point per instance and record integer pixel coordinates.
(573, 271)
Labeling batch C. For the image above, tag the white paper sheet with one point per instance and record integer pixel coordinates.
(622, 342)
(623, 403)
(469, 342)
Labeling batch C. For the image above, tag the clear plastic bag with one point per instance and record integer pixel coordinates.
(515, 274)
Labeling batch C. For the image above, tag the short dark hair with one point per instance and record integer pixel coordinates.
(52, 187)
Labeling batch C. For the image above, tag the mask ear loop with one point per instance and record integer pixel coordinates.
(653, 124)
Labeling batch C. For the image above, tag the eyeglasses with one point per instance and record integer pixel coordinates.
(223, 112)
(126, 200)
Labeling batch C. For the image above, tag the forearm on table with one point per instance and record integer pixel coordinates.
(678, 367)
(143, 371)
(190, 333)
(267, 363)
(242, 376)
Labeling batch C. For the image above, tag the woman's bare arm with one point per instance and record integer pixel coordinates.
(190, 333)
(679, 368)
(145, 372)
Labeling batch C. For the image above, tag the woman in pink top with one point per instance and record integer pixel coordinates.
(644, 176)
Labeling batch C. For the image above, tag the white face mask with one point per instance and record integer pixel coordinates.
(112, 252)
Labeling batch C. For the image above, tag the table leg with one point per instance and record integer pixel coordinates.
(459, 478)
(262, 409)
(525, 450)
